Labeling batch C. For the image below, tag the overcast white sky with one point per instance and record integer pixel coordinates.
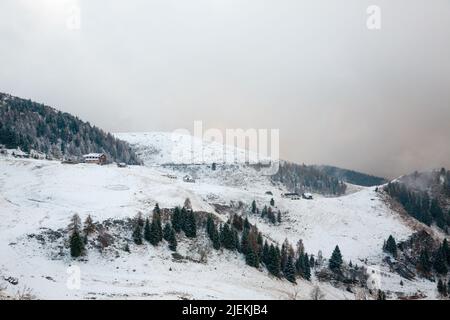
(376, 101)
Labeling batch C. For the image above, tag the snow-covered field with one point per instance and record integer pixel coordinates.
(38, 194)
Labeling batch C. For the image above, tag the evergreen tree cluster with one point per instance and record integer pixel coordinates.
(441, 258)
(153, 231)
(443, 288)
(419, 205)
(237, 234)
(429, 258)
(303, 178)
(241, 236)
(78, 234)
(267, 213)
(183, 219)
(29, 125)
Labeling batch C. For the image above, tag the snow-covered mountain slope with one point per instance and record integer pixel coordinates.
(38, 194)
(175, 148)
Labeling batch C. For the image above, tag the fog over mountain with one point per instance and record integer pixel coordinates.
(370, 100)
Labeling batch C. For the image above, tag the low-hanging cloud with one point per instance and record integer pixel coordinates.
(370, 100)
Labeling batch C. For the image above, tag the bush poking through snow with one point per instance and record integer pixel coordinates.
(316, 293)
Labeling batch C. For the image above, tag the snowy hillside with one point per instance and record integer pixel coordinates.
(174, 148)
(38, 194)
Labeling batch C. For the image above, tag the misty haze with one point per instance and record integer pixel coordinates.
(370, 100)
(111, 186)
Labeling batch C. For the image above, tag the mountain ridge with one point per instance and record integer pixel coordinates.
(29, 126)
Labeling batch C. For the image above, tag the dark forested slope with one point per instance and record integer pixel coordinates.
(30, 125)
(301, 178)
(353, 177)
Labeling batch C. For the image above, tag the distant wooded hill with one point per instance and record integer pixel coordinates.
(29, 125)
(353, 177)
(303, 178)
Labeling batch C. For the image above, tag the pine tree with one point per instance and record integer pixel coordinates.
(274, 261)
(448, 286)
(299, 266)
(246, 224)
(381, 295)
(260, 244)
(156, 219)
(245, 241)
(75, 239)
(169, 236)
(424, 262)
(212, 232)
(227, 237)
(307, 267)
(439, 263)
(139, 219)
(236, 242)
(137, 234)
(391, 246)
(264, 212)
(271, 216)
(312, 261)
(147, 231)
(76, 244)
(157, 209)
(173, 241)
(442, 288)
(446, 249)
(254, 206)
(210, 226)
(190, 226)
(184, 215)
(177, 221)
(187, 204)
(279, 216)
(265, 253)
(335, 262)
(251, 258)
(155, 234)
(272, 202)
(289, 270)
(284, 254)
(215, 238)
(166, 231)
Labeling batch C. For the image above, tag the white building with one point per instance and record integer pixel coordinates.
(188, 178)
(307, 196)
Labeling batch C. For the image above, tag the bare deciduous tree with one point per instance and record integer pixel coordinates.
(360, 294)
(25, 294)
(104, 239)
(293, 295)
(316, 293)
